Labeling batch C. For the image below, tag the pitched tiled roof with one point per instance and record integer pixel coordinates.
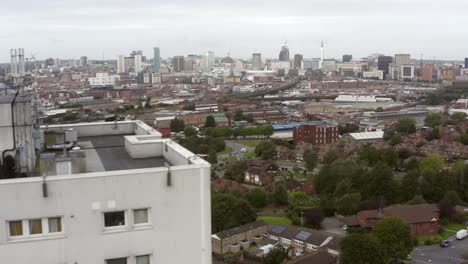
(231, 185)
(240, 229)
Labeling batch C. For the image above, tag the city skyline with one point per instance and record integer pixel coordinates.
(72, 29)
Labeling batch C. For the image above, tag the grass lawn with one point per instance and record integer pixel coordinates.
(226, 150)
(250, 143)
(276, 220)
(249, 155)
(449, 230)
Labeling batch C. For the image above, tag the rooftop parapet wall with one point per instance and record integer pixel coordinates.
(105, 128)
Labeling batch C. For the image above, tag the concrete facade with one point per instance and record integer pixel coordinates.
(175, 197)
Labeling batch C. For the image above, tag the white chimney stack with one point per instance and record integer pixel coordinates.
(14, 62)
(21, 61)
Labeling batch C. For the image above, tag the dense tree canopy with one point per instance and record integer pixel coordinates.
(361, 249)
(395, 237)
(266, 150)
(210, 121)
(257, 197)
(228, 211)
(406, 125)
(433, 119)
(177, 125)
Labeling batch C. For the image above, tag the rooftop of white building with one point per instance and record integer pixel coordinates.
(108, 146)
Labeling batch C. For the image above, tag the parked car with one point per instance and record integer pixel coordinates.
(461, 234)
(445, 243)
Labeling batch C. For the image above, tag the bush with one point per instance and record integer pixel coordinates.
(428, 242)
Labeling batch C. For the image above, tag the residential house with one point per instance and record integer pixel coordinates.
(301, 240)
(422, 218)
(237, 238)
(221, 184)
(292, 185)
(260, 172)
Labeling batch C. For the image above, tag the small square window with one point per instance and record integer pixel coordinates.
(16, 228)
(35, 226)
(114, 219)
(55, 224)
(117, 261)
(140, 216)
(143, 259)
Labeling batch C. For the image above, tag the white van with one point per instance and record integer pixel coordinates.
(462, 234)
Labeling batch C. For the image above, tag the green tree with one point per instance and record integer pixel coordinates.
(361, 249)
(348, 204)
(235, 171)
(228, 211)
(395, 139)
(310, 159)
(177, 125)
(239, 115)
(212, 157)
(453, 198)
(435, 133)
(190, 131)
(433, 119)
(210, 121)
(257, 197)
(406, 125)
(266, 150)
(409, 185)
(459, 117)
(280, 195)
(313, 217)
(276, 256)
(431, 163)
(417, 199)
(382, 183)
(332, 155)
(395, 237)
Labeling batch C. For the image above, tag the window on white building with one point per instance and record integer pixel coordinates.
(55, 224)
(140, 216)
(112, 219)
(145, 259)
(35, 226)
(116, 261)
(16, 228)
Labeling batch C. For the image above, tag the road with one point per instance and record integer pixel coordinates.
(437, 255)
(236, 147)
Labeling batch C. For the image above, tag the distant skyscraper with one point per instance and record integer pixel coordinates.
(120, 64)
(21, 62)
(321, 55)
(347, 58)
(14, 62)
(383, 63)
(138, 66)
(402, 59)
(298, 61)
(256, 61)
(178, 63)
(466, 63)
(83, 61)
(188, 65)
(211, 58)
(156, 58)
(284, 53)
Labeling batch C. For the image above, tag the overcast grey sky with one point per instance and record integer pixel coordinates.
(72, 28)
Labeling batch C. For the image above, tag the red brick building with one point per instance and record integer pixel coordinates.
(423, 219)
(316, 134)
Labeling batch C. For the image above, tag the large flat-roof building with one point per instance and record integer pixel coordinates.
(107, 193)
